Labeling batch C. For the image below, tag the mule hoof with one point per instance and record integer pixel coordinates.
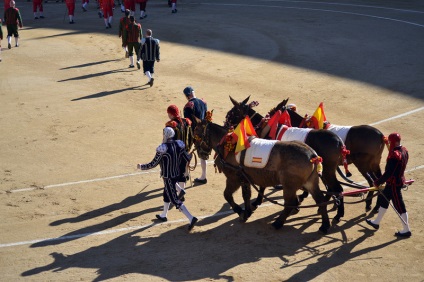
(335, 220)
(255, 206)
(238, 210)
(277, 224)
(367, 208)
(294, 211)
(334, 208)
(323, 229)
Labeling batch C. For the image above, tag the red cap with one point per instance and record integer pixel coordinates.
(173, 110)
(394, 137)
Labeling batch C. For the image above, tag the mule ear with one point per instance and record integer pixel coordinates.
(235, 103)
(245, 100)
(285, 102)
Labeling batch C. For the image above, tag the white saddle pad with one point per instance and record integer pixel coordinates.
(340, 131)
(293, 133)
(257, 155)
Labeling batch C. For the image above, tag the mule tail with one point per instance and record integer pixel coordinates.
(317, 161)
(344, 153)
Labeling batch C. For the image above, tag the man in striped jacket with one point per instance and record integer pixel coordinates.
(150, 52)
(170, 155)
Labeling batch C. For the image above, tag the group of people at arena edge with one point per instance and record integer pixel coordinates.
(173, 154)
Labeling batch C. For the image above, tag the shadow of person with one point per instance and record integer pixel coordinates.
(104, 225)
(125, 203)
(175, 255)
(333, 257)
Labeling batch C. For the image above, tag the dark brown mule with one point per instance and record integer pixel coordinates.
(290, 164)
(327, 145)
(366, 145)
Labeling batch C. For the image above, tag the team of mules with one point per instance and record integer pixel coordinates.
(326, 143)
(365, 143)
(290, 163)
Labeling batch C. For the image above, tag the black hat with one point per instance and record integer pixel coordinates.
(188, 90)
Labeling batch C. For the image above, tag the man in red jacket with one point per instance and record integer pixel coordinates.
(1, 36)
(142, 4)
(37, 4)
(123, 23)
(13, 19)
(132, 37)
(70, 4)
(394, 178)
(107, 8)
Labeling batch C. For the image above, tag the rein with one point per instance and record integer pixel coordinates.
(192, 168)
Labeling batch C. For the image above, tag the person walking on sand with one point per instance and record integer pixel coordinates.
(70, 5)
(37, 5)
(183, 132)
(107, 8)
(394, 178)
(123, 23)
(132, 36)
(1, 36)
(170, 154)
(13, 19)
(150, 53)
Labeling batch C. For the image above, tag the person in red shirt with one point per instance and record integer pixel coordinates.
(70, 5)
(84, 5)
(37, 4)
(394, 178)
(132, 37)
(130, 5)
(142, 4)
(107, 8)
(173, 6)
(123, 23)
(1, 36)
(6, 4)
(13, 19)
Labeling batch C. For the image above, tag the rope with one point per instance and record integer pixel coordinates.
(192, 168)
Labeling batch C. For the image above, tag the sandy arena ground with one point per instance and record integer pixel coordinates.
(75, 121)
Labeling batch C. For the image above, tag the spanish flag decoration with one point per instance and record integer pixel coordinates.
(318, 118)
(279, 118)
(243, 130)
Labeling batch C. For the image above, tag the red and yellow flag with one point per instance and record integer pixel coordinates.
(243, 130)
(318, 118)
(279, 118)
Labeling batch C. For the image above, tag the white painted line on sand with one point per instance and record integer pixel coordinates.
(314, 9)
(85, 181)
(111, 231)
(398, 116)
(155, 171)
